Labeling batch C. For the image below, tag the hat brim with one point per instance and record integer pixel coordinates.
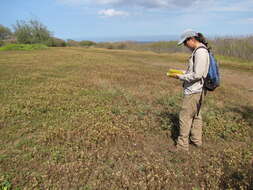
(181, 42)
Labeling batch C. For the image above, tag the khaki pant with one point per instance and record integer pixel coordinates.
(190, 121)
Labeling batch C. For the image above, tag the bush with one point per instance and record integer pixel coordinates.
(5, 33)
(31, 32)
(87, 43)
(26, 47)
(72, 43)
(10, 41)
(115, 45)
(159, 47)
(56, 42)
(1, 43)
(234, 47)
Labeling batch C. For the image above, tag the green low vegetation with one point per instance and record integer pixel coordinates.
(26, 47)
(86, 118)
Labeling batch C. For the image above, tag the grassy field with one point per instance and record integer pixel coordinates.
(79, 118)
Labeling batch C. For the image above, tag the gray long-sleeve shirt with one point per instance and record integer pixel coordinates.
(193, 77)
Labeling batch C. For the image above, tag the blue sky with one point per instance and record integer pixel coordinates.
(97, 19)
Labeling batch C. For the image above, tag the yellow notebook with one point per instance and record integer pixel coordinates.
(172, 72)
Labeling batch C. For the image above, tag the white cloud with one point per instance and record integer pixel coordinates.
(193, 5)
(112, 13)
(107, 1)
(147, 3)
(250, 20)
(74, 2)
(135, 3)
(245, 21)
(233, 6)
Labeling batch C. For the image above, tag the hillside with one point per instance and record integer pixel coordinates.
(80, 118)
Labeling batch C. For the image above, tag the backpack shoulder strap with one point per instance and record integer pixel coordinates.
(194, 55)
(203, 93)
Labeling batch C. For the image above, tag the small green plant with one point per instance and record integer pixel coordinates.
(5, 185)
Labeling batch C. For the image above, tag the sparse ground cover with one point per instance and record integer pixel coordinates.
(78, 118)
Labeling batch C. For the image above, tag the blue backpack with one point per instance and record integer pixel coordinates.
(212, 80)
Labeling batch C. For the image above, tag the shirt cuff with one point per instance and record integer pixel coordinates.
(181, 77)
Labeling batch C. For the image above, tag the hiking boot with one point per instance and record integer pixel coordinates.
(175, 149)
(196, 146)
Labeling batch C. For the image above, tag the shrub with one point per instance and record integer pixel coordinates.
(159, 47)
(72, 43)
(241, 48)
(235, 47)
(113, 45)
(87, 43)
(5, 32)
(8, 41)
(1, 43)
(121, 46)
(56, 42)
(31, 32)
